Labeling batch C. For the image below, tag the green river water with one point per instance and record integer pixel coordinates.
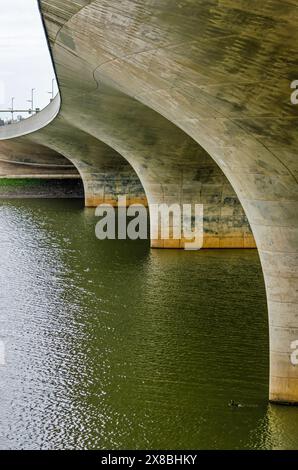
(112, 345)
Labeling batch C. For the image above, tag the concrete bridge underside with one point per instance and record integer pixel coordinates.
(21, 159)
(186, 101)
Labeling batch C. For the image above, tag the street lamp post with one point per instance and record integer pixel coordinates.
(32, 99)
(12, 101)
(52, 92)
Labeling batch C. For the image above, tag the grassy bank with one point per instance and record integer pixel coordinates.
(37, 187)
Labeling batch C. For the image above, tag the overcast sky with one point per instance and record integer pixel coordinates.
(25, 61)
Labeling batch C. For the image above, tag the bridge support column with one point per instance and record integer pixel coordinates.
(104, 188)
(278, 252)
(283, 375)
(203, 190)
(282, 292)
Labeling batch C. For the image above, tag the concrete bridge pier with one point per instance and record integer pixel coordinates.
(106, 187)
(200, 190)
(105, 173)
(279, 269)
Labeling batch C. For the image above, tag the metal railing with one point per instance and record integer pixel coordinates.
(13, 112)
(30, 111)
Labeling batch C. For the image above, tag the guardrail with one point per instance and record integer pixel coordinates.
(37, 121)
(12, 112)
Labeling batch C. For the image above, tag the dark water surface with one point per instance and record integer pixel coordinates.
(112, 345)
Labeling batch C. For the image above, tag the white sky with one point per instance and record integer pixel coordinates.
(25, 61)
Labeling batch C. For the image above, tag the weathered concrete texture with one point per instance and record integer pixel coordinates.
(105, 174)
(134, 71)
(221, 72)
(21, 159)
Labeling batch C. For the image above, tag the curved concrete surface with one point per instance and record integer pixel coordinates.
(20, 159)
(34, 123)
(176, 86)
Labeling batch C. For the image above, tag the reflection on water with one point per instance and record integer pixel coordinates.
(112, 345)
